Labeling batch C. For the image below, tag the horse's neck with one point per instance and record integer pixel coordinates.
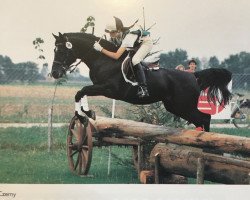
(96, 61)
(87, 53)
(83, 52)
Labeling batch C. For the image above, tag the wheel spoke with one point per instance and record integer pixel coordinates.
(77, 162)
(71, 155)
(75, 133)
(73, 146)
(85, 158)
(84, 139)
(85, 147)
(80, 163)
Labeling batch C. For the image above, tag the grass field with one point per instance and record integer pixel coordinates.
(24, 159)
(30, 103)
(23, 151)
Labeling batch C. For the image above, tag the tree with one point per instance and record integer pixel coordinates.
(45, 70)
(173, 58)
(7, 69)
(26, 71)
(244, 65)
(214, 62)
(38, 43)
(1, 74)
(90, 23)
(232, 63)
(238, 63)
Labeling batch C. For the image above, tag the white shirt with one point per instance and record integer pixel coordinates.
(129, 40)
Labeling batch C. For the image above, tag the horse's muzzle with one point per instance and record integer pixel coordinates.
(56, 74)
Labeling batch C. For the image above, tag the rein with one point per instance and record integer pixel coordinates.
(74, 66)
(63, 64)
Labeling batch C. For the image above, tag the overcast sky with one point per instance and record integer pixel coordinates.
(203, 28)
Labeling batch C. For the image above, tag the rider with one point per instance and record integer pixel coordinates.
(128, 37)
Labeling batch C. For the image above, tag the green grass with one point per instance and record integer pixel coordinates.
(232, 131)
(24, 159)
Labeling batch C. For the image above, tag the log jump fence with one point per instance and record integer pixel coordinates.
(162, 154)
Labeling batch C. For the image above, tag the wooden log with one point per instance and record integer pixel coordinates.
(121, 141)
(174, 179)
(148, 177)
(222, 142)
(182, 160)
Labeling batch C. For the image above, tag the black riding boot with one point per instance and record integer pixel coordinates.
(141, 79)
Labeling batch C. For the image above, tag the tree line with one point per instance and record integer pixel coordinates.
(237, 63)
(29, 71)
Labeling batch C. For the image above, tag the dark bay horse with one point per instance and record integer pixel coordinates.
(179, 91)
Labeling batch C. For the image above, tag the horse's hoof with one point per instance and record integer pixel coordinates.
(90, 114)
(83, 119)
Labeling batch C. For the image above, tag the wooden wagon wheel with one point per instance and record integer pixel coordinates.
(79, 147)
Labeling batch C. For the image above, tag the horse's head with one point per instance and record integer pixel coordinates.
(70, 46)
(63, 57)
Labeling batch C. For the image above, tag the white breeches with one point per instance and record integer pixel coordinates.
(145, 48)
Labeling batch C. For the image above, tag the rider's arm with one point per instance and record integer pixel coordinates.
(115, 55)
(128, 41)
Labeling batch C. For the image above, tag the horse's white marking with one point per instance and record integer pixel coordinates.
(78, 108)
(84, 103)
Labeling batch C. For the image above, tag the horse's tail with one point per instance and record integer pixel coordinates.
(216, 80)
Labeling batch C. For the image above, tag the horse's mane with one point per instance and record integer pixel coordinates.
(92, 38)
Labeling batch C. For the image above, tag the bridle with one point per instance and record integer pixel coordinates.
(63, 64)
(73, 66)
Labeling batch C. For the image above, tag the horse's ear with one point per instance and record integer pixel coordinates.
(55, 36)
(60, 35)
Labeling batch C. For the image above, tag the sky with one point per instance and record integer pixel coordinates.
(203, 28)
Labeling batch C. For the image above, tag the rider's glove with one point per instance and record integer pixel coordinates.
(98, 47)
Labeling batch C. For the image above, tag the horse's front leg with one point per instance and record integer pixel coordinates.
(81, 101)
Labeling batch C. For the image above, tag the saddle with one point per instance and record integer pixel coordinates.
(128, 71)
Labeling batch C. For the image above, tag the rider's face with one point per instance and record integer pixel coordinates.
(114, 34)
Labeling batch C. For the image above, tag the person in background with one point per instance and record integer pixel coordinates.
(130, 37)
(192, 64)
(180, 67)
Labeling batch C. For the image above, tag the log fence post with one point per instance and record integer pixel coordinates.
(139, 158)
(157, 168)
(50, 141)
(200, 171)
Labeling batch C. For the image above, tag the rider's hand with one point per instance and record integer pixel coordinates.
(98, 47)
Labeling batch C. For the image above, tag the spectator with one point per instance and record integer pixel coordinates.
(192, 66)
(180, 67)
